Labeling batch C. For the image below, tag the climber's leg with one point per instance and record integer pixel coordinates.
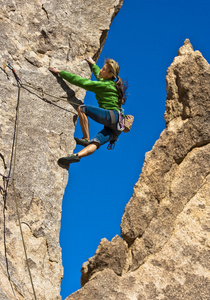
(84, 123)
(90, 149)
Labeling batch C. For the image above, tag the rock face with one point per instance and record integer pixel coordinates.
(165, 246)
(34, 35)
(165, 250)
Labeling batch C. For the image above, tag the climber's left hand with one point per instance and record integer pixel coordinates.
(54, 70)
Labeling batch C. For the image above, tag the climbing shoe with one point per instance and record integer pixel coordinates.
(82, 142)
(64, 162)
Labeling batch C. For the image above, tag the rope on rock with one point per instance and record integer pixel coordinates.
(13, 153)
(50, 95)
(13, 158)
(40, 90)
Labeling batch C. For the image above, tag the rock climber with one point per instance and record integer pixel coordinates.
(110, 92)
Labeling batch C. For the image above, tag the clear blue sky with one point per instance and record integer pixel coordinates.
(144, 38)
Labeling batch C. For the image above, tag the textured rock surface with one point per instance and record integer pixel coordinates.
(111, 255)
(166, 223)
(34, 35)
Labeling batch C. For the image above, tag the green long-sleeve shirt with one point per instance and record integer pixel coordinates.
(105, 90)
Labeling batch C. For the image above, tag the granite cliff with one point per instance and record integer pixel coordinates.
(164, 248)
(34, 35)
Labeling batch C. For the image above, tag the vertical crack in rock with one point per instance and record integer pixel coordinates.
(44, 9)
(102, 41)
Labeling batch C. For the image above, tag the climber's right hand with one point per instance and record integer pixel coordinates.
(90, 60)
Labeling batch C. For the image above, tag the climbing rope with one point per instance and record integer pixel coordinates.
(13, 153)
(40, 90)
(13, 156)
(13, 161)
(5, 177)
(16, 202)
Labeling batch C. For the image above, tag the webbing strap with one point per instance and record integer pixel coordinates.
(113, 117)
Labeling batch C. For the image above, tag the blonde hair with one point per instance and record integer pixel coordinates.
(121, 85)
(113, 67)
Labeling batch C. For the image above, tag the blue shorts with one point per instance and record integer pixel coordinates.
(109, 133)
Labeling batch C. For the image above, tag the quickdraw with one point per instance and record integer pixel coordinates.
(5, 177)
(13, 70)
(111, 146)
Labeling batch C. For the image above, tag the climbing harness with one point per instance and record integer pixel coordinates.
(125, 121)
(124, 124)
(113, 117)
